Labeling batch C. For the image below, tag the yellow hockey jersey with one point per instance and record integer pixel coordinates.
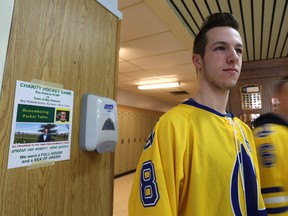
(197, 162)
(271, 138)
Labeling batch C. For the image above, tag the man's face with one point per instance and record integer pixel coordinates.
(221, 64)
(63, 116)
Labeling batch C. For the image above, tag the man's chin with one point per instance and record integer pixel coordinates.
(228, 87)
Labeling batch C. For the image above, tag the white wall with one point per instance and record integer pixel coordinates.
(6, 11)
(138, 101)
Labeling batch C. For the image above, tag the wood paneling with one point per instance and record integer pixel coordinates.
(265, 73)
(73, 43)
(267, 68)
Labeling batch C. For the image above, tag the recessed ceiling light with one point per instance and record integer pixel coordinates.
(159, 85)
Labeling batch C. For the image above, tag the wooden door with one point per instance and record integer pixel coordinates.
(72, 43)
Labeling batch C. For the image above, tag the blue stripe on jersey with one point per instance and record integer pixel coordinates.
(149, 141)
(251, 186)
(271, 190)
(192, 102)
(264, 133)
(234, 190)
(277, 210)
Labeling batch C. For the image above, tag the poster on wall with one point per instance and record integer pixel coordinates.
(41, 125)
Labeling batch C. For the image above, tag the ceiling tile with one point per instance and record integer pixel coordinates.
(139, 21)
(164, 61)
(178, 69)
(138, 75)
(187, 77)
(124, 78)
(148, 46)
(126, 67)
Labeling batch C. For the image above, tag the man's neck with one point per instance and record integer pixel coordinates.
(216, 100)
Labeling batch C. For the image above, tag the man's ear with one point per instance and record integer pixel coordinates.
(197, 61)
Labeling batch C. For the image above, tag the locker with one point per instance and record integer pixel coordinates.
(134, 127)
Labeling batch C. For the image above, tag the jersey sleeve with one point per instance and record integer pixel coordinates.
(159, 174)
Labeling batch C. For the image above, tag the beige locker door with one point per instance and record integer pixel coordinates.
(125, 145)
(130, 127)
(145, 131)
(134, 129)
(117, 160)
(147, 125)
(136, 134)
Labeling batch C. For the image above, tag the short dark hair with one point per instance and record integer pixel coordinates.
(212, 21)
(280, 84)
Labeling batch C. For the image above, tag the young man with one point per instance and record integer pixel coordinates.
(62, 117)
(200, 160)
(271, 137)
(45, 136)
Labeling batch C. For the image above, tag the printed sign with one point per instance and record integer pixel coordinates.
(41, 125)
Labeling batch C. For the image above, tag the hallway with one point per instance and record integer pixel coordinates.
(122, 188)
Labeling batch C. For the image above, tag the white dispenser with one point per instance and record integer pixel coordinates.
(98, 124)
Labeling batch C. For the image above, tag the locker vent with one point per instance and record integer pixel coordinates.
(179, 92)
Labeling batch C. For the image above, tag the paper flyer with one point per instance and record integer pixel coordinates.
(41, 125)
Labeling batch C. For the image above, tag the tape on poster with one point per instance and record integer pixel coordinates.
(40, 164)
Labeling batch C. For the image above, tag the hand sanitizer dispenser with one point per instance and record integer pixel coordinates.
(98, 124)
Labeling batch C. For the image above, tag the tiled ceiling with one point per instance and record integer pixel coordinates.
(157, 36)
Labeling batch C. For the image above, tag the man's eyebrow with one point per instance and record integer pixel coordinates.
(225, 43)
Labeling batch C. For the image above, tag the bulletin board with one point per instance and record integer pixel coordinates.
(251, 97)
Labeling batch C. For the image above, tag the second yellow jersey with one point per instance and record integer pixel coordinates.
(197, 162)
(271, 137)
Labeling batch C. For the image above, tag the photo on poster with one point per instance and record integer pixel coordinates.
(62, 115)
(37, 132)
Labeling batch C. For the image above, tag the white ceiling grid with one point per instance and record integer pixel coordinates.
(151, 53)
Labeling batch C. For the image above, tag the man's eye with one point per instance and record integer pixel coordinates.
(220, 48)
(240, 51)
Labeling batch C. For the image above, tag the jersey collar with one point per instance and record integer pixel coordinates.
(192, 102)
